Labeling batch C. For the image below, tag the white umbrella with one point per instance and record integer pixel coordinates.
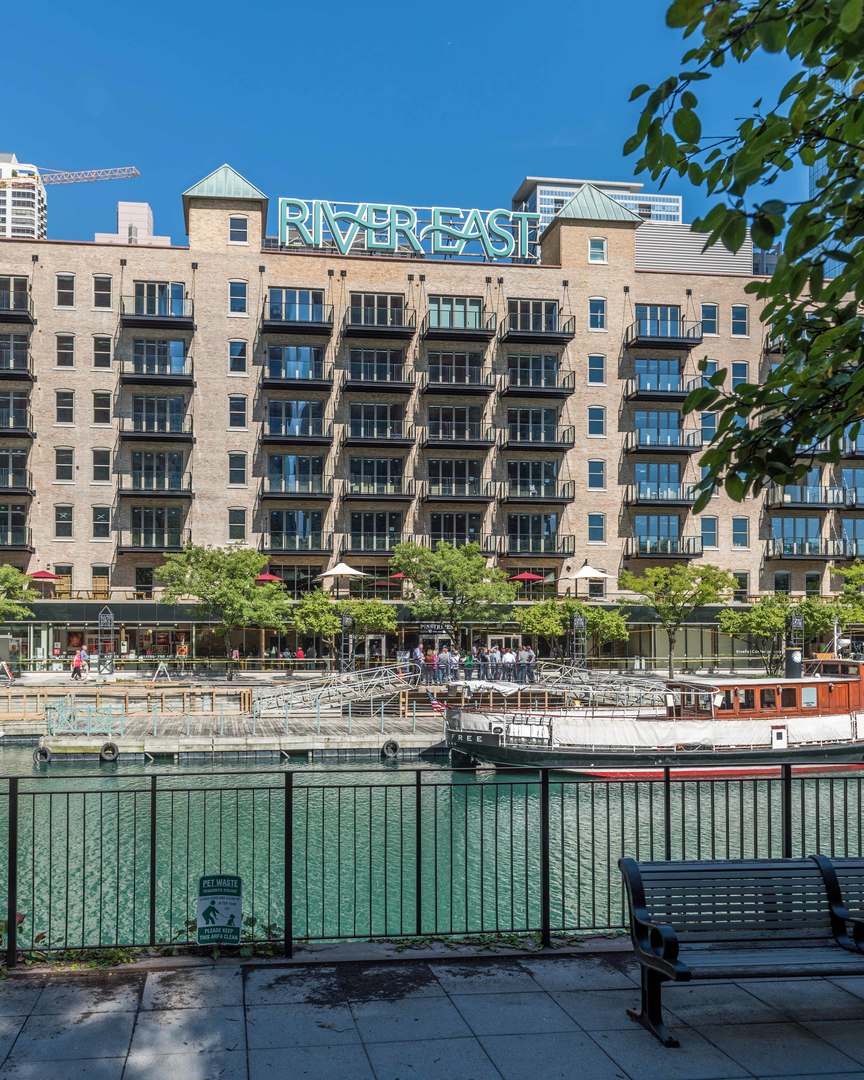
(342, 570)
(589, 573)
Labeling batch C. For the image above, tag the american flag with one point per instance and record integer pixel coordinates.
(437, 705)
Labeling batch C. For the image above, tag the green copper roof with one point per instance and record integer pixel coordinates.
(222, 183)
(591, 204)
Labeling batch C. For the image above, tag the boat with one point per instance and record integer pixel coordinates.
(736, 723)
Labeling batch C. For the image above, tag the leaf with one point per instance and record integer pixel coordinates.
(683, 12)
(771, 31)
(687, 125)
(734, 230)
(850, 16)
(638, 91)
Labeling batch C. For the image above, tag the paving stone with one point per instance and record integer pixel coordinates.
(421, 1018)
(106, 992)
(272, 1026)
(17, 997)
(483, 978)
(183, 1031)
(220, 1065)
(335, 985)
(558, 1056)
(807, 999)
(702, 1005)
(845, 1035)
(642, 1057)
(600, 1010)
(512, 1014)
(345, 1062)
(779, 1049)
(577, 973)
(86, 1035)
(82, 1069)
(432, 1059)
(854, 984)
(193, 988)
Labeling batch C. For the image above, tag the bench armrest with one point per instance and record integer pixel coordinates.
(654, 937)
(847, 926)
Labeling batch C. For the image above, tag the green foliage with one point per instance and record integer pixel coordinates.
(15, 594)
(552, 619)
(222, 584)
(852, 592)
(814, 396)
(453, 585)
(316, 614)
(674, 592)
(371, 616)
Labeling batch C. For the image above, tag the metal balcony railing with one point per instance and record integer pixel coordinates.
(383, 375)
(459, 432)
(291, 542)
(16, 365)
(16, 536)
(464, 325)
(672, 332)
(677, 546)
(539, 382)
(651, 491)
(538, 436)
(157, 483)
(381, 431)
(15, 306)
(806, 495)
(457, 380)
(16, 422)
(298, 485)
(284, 316)
(294, 429)
(161, 308)
(372, 542)
(804, 548)
(154, 539)
(555, 544)
(555, 491)
(458, 489)
(658, 440)
(15, 480)
(157, 369)
(361, 321)
(380, 489)
(157, 427)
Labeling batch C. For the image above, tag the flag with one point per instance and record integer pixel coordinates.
(437, 705)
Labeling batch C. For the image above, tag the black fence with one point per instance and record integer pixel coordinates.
(114, 861)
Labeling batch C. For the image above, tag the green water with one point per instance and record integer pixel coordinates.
(84, 846)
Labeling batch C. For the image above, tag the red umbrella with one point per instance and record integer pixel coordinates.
(396, 577)
(526, 576)
(43, 575)
(263, 578)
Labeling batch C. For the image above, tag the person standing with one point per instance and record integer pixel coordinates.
(508, 663)
(444, 665)
(522, 664)
(482, 663)
(495, 663)
(430, 672)
(76, 664)
(532, 665)
(85, 662)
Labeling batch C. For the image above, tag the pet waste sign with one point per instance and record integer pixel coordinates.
(220, 906)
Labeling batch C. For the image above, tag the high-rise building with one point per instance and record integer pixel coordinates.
(23, 206)
(546, 196)
(134, 227)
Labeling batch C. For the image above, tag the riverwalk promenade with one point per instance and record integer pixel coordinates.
(441, 1017)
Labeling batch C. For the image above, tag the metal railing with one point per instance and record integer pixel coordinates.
(815, 548)
(458, 489)
(663, 439)
(557, 544)
(527, 435)
(660, 385)
(400, 319)
(162, 308)
(641, 546)
(162, 483)
(288, 374)
(157, 368)
(527, 381)
(157, 426)
(659, 491)
(446, 378)
(671, 330)
(16, 420)
(14, 365)
(18, 536)
(463, 323)
(154, 539)
(806, 495)
(366, 542)
(438, 431)
(540, 326)
(380, 488)
(16, 480)
(285, 542)
(16, 303)
(298, 314)
(538, 492)
(394, 853)
(298, 485)
(380, 430)
(298, 429)
(379, 374)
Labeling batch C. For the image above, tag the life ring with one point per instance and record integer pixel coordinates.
(41, 755)
(109, 752)
(390, 749)
(497, 730)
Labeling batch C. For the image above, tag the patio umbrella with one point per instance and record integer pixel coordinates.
(396, 577)
(589, 573)
(341, 570)
(263, 578)
(42, 576)
(527, 577)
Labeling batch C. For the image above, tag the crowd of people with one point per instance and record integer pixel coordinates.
(480, 662)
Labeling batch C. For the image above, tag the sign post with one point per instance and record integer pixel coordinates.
(220, 909)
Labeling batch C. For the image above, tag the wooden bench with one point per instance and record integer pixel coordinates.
(773, 918)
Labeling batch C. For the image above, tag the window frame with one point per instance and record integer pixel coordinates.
(57, 351)
(604, 329)
(245, 481)
(71, 508)
(231, 425)
(716, 331)
(110, 305)
(93, 523)
(70, 465)
(736, 546)
(66, 276)
(588, 432)
(588, 478)
(595, 356)
(601, 518)
(102, 423)
(238, 510)
(233, 312)
(746, 309)
(101, 337)
(605, 253)
(57, 392)
(703, 518)
(245, 219)
(245, 357)
(93, 465)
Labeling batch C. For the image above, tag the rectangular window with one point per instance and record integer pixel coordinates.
(237, 412)
(236, 468)
(63, 522)
(597, 370)
(813, 583)
(597, 314)
(710, 318)
(596, 420)
(102, 352)
(101, 291)
(63, 585)
(65, 350)
(237, 523)
(658, 320)
(64, 404)
(65, 290)
(456, 313)
(740, 532)
(597, 475)
(742, 586)
(740, 373)
(237, 357)
(597, 250)
(296, 305)
(101, 465)
(740, 320)
(782, 582)
(101, 407)
(64, 464)
(295, 362)
(596, 528)
(101, 522)
(237, 297)
(709, 531)
(377, 309)
(238, 230)
(536, 316)
(100, 583)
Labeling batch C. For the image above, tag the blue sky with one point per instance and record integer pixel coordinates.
(445, 104)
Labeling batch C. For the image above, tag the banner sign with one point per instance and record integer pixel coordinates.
(220, 909)
(437, 230)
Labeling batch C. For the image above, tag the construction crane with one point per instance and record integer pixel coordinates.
(55, 176)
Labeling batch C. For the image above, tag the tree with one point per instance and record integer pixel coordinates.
(762, 627)
(317, 615)
(552, 619)
(15, 594)
(371, 616)
(674, 592)
(813, 397)
(222, 583)
(852, 591)
(453, 585)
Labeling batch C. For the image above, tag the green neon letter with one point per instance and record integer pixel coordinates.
(503, 232)
(297, 219)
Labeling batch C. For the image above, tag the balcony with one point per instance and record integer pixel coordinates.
(285, 544)
(538, 329)
(850, 447)
(375, 433)
(538, 385)
(526, 437)
(156, 372)
(456, 383)
(17, 538)
(646, 387)
(816, 548)
(774, 346)
(658, 493)
(464, 326)
(663, 442)
(850, 549)
(16, 307)
(663, 334)
(155, 540)
(488, 544)
(303, 319)
(464, 491)
(818, 498)
(145, 428)
(379, 379)
(16, 368)
(400, 490)
(16, 482)
(522, 491)
(137, 313)
(559, 545)
(459, 436)
(155, 485)
(307, 377)
(371, 543)
(663, 547)
(362, 322)
(299, 488)
(16, 424)
(306, 433)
